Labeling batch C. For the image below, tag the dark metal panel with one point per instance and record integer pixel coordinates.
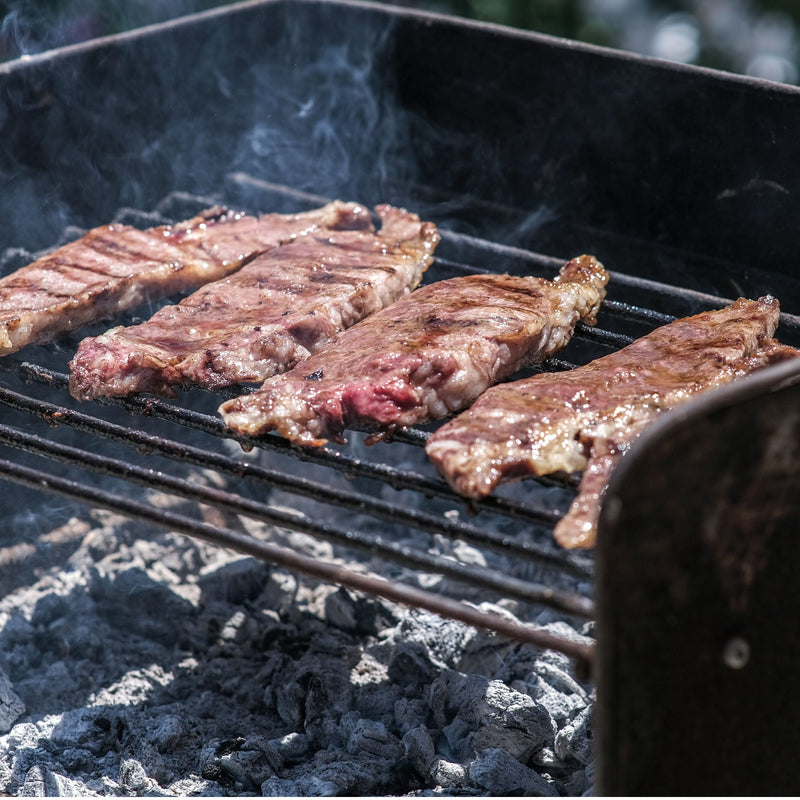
(697, 601)
(657, 169)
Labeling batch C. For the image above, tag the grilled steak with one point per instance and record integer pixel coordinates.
(116, 267)
(424, 357)
(587, 418)
(266, 317)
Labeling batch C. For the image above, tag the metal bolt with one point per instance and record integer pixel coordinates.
(736, 653)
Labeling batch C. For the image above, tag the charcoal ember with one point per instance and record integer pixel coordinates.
(409, 713)
(546, 761)
(279, 594)
(239, 626)
(236, 681)
(375, 695)
(371, 736)
(237, 764)
(77, 639)
(289, 749)
(20, 562)
(270, 677)
(84, 728)
(329, 696)
(23, 748)
(355, 612)
(133, 777)
(562, 703)
(235, 582)
(168, 732)
(43, 782)
(443, 639)
(312, 693)
(548, 677)
(75, 760)
(136, 687)
(561, 680)
(11, 706)
(579, 783)
(498, 773)
(419, 749)
(48, 609)
(475, 713)
(485, 654)
(290, 698)
(410, 665)
(191, 786)
(140, 602)
(563, 629)
(16, 630)
(574, 740)
(334, 772)
(105, 786)
(448, 774)
(304, 787)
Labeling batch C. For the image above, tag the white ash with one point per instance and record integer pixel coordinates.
(11, 707)
(141, 663)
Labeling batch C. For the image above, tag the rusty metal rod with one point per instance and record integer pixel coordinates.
(406, 556)
(147, 406)
(388, 511)
(297, 562)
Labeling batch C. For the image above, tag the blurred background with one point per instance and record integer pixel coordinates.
(752, 37)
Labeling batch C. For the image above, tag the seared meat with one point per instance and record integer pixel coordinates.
(424, 357)
(266, 317)
(587, 418)
(116, 267)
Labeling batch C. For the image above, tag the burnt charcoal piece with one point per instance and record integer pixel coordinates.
(269, 315)
(428, 355)
(116, 267)
(587, 418)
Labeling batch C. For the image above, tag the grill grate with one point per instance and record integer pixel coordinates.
(384, 501)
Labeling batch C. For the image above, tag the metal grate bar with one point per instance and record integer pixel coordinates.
(405, 556)
(395, 591)
(636, 313)
(358, 503)
(153, 407)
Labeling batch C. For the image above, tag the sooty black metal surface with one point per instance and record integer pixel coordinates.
(698, 612)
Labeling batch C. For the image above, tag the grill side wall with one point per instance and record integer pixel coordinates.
(697, 610)
(537, 141)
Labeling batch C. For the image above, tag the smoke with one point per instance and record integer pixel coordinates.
(33, 26)
(318, 125)
(332, 100)
(124, 125)
(30, 27)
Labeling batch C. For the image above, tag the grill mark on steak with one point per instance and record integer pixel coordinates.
(587, 418)
(424, 357)
(267, 316)
(115, 267)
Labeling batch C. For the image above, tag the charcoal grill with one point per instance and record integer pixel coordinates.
(684, 182)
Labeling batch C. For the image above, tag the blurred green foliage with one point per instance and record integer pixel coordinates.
(575, 19)
(29, 26)
(730, 33)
